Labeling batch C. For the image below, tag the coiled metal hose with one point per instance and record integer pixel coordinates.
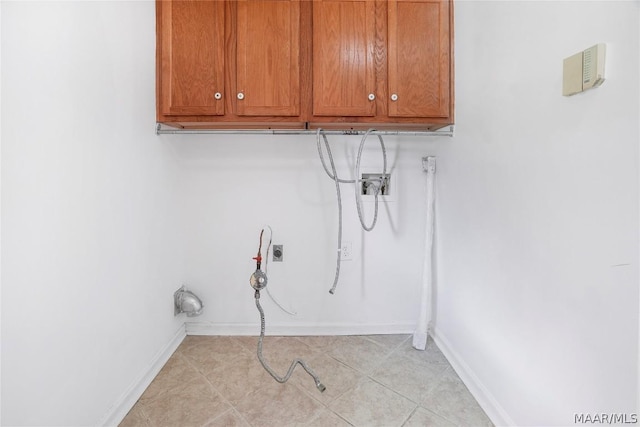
(333, 174)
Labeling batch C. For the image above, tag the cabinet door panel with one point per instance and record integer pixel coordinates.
(192, 57)
(268, 58)
(419, 58)
(343, 57)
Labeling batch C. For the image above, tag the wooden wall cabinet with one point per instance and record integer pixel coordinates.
(233, 64)
(336, 64)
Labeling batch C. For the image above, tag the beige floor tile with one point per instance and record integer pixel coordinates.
(229, 419)
(193, 405)
(431, 354)
(193, 340)
(278, 405)
(250, 343)
(212, 352)
(390, 341)
(408, 377)
(371, 381)
(326, 418)
(236, 380)
(451, 399)
(358, 352)
(176, 374)
(371, 404)
(335, 376)
(319, 343)
(425, 418)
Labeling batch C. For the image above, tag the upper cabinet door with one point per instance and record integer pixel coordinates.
(344, 79)
(419, 58)
(268, 58)
(192, 57)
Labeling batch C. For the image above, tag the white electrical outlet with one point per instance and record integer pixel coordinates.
(346, 251)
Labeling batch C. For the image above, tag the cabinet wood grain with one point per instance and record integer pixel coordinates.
(192, 57)
(299, 64)
(268, 58)
(343, 58)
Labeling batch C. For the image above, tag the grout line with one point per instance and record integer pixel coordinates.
(410, 415)
(342, 418)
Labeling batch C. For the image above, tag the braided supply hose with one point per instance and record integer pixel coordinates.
(258, 281)
(333, 174)
(295, 362)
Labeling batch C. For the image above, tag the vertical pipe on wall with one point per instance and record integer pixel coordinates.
(638, 373)
(424, 319)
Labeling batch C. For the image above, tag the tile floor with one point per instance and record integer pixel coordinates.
(373, 380)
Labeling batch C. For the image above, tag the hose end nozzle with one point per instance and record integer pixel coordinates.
(320, 386)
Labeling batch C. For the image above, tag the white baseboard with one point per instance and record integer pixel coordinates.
(485, 399)
(311, 329)
(123, 405)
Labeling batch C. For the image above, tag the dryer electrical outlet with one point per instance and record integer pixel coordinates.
(278, 253)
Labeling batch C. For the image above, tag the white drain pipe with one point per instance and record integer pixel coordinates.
(424, 320)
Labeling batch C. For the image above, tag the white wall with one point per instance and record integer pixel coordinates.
(90, 243)
(233, 186)
(538, 212)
